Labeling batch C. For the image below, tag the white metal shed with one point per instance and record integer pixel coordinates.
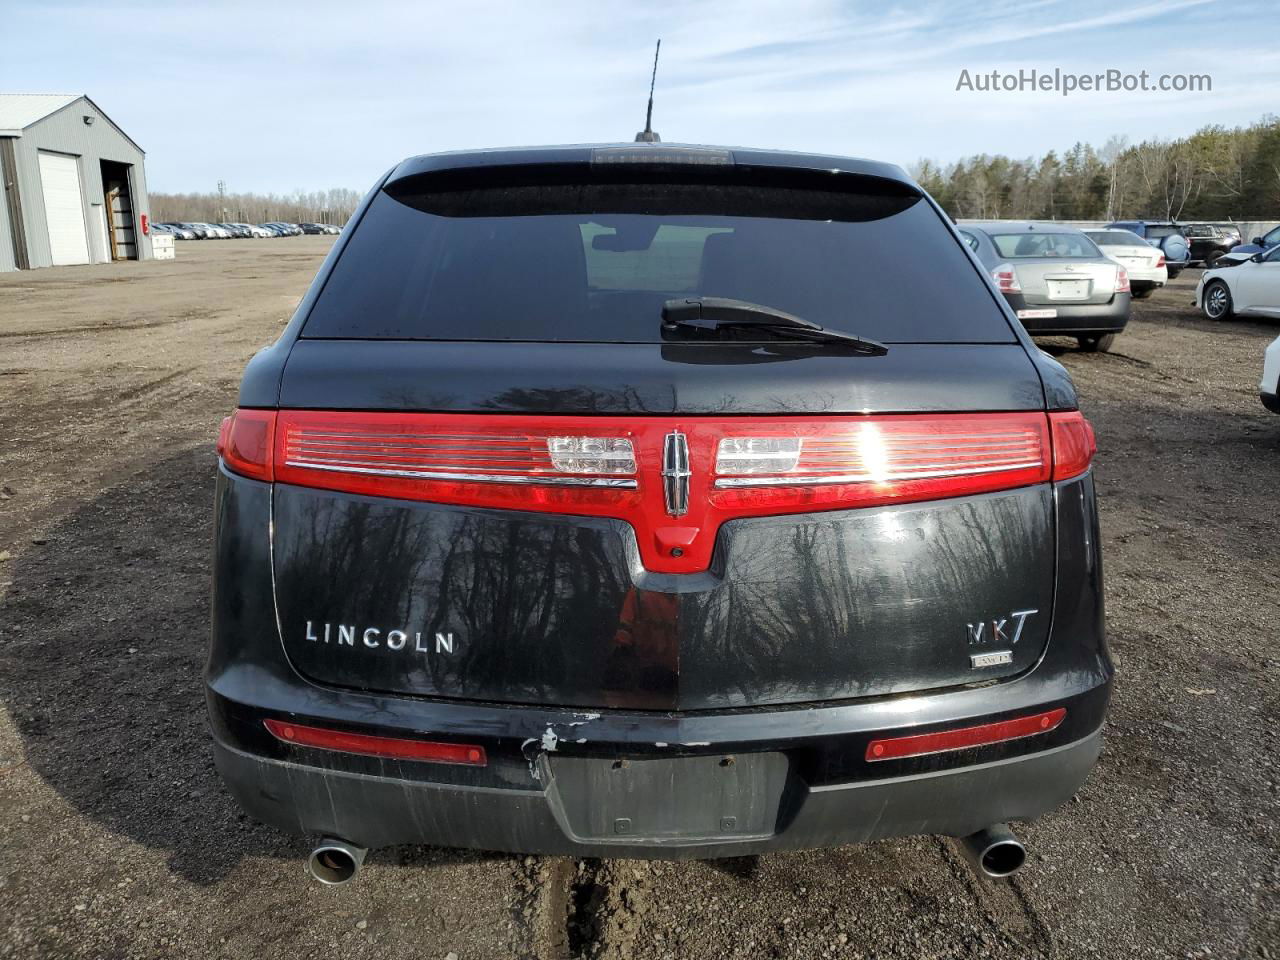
(74, 184)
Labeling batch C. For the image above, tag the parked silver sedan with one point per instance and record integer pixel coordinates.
(1055, 278)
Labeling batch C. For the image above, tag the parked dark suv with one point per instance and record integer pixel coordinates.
(1208, 242)
(643, 500)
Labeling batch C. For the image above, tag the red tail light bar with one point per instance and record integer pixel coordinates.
(371, 746)
(945, 741)
(675, 480)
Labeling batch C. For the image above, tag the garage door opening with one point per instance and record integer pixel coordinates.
(118, 201)
(63, 208)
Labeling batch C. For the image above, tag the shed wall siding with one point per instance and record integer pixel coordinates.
(66, 132)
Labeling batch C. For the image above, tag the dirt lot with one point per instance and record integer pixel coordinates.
(117, 839)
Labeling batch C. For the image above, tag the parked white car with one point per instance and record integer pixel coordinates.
(255, 230)
(215, 232)
(1250, 288)
(1145, 263)
(1269, 386)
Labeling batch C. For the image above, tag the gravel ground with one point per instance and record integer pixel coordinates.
(117, 839)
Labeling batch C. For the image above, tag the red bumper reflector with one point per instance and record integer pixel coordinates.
(394, 747)
(925, 743)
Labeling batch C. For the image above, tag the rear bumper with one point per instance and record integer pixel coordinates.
(546, 779)
(1074, 319)
(376, 811)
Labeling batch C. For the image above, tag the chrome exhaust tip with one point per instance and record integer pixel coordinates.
(994, 852)
(334, 862)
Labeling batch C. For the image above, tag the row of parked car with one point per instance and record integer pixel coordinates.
(198, 230)
(1196, 244)
(1240, 279)
(1062, 281)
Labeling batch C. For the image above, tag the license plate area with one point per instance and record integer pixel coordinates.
(678, 799)
(1068, 289)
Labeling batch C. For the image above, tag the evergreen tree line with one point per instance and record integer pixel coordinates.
(1214, 174)
(319, 206)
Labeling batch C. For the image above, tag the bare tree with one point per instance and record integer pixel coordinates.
(322, 206)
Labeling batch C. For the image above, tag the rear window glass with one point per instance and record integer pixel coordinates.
(1116, 238)
(1159, 233)
(596, 262)
(1056, 245)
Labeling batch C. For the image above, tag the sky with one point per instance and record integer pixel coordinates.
(273, 96)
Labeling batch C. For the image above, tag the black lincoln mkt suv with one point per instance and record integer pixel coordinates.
(642, 500)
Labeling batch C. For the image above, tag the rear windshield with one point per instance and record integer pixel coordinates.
(1117, 238)
(596, 262)
(1056, 245)
(1159, 233)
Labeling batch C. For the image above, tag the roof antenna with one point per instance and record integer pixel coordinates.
(647, 135)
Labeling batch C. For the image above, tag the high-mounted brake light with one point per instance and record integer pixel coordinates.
(1006, 278)
(246, 443)
(923, 744)
(1122, 280)
(396, 748)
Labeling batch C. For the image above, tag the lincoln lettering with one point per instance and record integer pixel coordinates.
(375, 638)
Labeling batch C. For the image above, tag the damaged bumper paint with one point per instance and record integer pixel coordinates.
(770, 808)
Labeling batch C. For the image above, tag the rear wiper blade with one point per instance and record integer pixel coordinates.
(712, 313)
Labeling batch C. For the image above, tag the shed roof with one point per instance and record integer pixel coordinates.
(20, 110)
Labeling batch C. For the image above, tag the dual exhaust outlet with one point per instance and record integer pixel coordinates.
(333, 862)
(992, 852)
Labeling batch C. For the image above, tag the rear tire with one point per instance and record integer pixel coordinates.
(1096, 343)
(1143, 294)
(1217, 301)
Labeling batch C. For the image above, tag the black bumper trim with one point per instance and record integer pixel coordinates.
(377, 811)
